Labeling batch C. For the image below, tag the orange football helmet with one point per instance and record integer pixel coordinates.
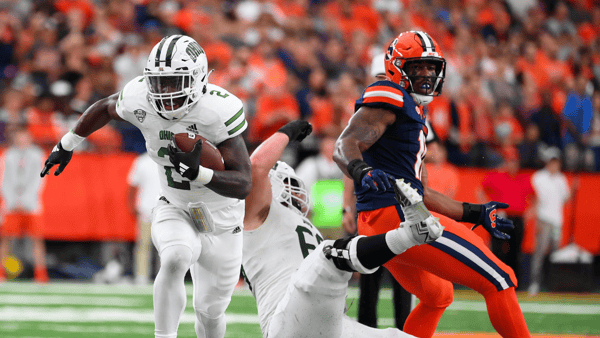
(409, 47)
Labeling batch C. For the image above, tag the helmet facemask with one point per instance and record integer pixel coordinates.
(436, 82)
(406, 50)
(175, 84)
(288, 189)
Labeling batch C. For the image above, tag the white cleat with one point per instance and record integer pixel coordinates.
(405, 194)
(410, 202)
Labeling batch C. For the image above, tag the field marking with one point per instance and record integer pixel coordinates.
(71, 300)
(113, 301)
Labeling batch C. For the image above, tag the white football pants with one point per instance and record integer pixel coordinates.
(214, 259)
(314, 304)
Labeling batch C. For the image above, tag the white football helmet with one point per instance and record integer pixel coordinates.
(176, 74)
(288, 189)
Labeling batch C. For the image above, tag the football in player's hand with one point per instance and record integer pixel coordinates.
(210, 156)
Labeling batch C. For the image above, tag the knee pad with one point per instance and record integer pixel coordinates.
(176, 259)
(438, 295)
(343, 254)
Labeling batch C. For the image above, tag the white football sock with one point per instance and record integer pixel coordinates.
(399, 240)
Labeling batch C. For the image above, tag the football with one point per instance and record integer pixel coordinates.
(210, 156)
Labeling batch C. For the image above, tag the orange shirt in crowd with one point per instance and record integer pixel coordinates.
(361, 17)
(272, 113)
(439, 114)
(442, 177)
(64, 6)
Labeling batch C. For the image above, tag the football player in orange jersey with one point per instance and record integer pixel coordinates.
(385, 140)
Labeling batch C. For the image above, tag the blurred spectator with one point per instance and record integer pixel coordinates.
(551, 193)
(133, 60)
(548, 122)
(513, 187)
(507, 129)
(11, 113)
(274, 108)
(320, 166)
(531, 147)
(595, 133)
(441, 175)
(560, 22)
(577, 115)
(21, 188)
(142, 195)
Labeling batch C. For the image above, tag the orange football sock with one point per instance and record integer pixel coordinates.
(423, 320)
(505, 314)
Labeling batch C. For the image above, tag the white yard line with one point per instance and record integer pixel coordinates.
(71, 300)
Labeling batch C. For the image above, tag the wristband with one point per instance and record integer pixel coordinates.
(471, 213)
(357, 169)
(71, 140)
(205, 175)
(346, 210)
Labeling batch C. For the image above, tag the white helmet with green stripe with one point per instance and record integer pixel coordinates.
(176, 74)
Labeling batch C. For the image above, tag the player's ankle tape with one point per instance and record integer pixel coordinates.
(399, 240)
(205, 175)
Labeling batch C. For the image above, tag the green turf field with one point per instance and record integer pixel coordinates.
(65, 310)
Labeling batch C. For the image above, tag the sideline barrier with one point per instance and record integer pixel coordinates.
(88, 203)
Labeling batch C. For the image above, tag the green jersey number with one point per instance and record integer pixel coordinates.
(218, 93)
(183, 185)
(302, 232)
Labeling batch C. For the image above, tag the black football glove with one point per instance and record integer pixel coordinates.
(495, 225)
(57, 156)
(186, 164)
(296, 130)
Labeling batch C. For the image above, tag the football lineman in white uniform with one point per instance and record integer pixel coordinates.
(197, 222)
(298, 279)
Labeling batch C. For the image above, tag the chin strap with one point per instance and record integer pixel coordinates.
(421, 100)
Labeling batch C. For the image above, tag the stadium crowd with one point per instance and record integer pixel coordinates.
(521, 74)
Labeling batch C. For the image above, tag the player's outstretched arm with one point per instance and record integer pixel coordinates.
(263, 159)
(363, 130)
(477, 214)
(94, 118)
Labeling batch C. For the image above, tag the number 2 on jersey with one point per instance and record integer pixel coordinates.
(183, 185)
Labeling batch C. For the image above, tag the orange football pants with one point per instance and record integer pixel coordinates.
(17, 224)
(460, 256)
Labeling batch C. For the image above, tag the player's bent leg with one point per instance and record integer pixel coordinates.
(169, 290)
(366, 254)
(354, 329)
(435, 295)
(460, 256)
(178, 246)
(314, 303)
(214, 276)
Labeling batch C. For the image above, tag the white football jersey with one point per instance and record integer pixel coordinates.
(219, 115)
(272, 253)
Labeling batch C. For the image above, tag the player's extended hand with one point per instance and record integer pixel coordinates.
(186, 164)
(296, 130)
(377, 180)
(495, 225)
(57, 156)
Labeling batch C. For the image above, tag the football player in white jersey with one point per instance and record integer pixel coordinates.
(174, 96)
(298, 279)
